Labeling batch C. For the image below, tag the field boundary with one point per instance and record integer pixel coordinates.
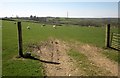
(115, 43)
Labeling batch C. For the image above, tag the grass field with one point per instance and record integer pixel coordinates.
(0, 49)
(19, 67)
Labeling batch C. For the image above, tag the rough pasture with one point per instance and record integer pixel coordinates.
(73, 35)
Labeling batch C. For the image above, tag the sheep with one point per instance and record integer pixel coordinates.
(14, 22)
(42, 25)
(89, 26)
(54, 26)
(28, 27)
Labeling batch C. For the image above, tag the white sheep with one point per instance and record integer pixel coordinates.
(54, 26)
(28, 27)
(42, 25)
(14, 22)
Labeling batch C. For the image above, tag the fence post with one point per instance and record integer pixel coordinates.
(107, 38)
(20, 39)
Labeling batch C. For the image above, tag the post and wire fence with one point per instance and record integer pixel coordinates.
(112, 39)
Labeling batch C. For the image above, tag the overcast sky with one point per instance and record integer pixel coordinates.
(76, 9)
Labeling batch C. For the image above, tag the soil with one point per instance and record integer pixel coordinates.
(54, 50)
(94, 54)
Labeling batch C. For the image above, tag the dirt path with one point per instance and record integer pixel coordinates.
(93, 54)
(56, 51)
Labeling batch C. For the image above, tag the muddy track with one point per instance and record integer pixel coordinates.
(100, 60)
(55, 50)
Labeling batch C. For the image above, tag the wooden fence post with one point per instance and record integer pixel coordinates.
(20, 39)
(107, 39)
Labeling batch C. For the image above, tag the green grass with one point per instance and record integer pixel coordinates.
(92, 35)
(112, 54)
(22, 68)
(0, 50)
(13, 67)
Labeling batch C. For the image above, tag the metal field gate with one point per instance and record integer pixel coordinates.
(115, 41)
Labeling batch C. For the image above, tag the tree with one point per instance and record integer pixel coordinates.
(34, 17)
(31, 17)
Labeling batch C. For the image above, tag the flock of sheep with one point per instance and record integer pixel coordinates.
(28, 27)
(54, 26)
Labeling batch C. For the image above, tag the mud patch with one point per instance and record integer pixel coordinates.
(55, 50)
(94, 54)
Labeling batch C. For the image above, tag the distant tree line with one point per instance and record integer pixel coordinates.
(40, 19)
(70, 21)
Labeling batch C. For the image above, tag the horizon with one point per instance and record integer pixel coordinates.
(65, 17)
